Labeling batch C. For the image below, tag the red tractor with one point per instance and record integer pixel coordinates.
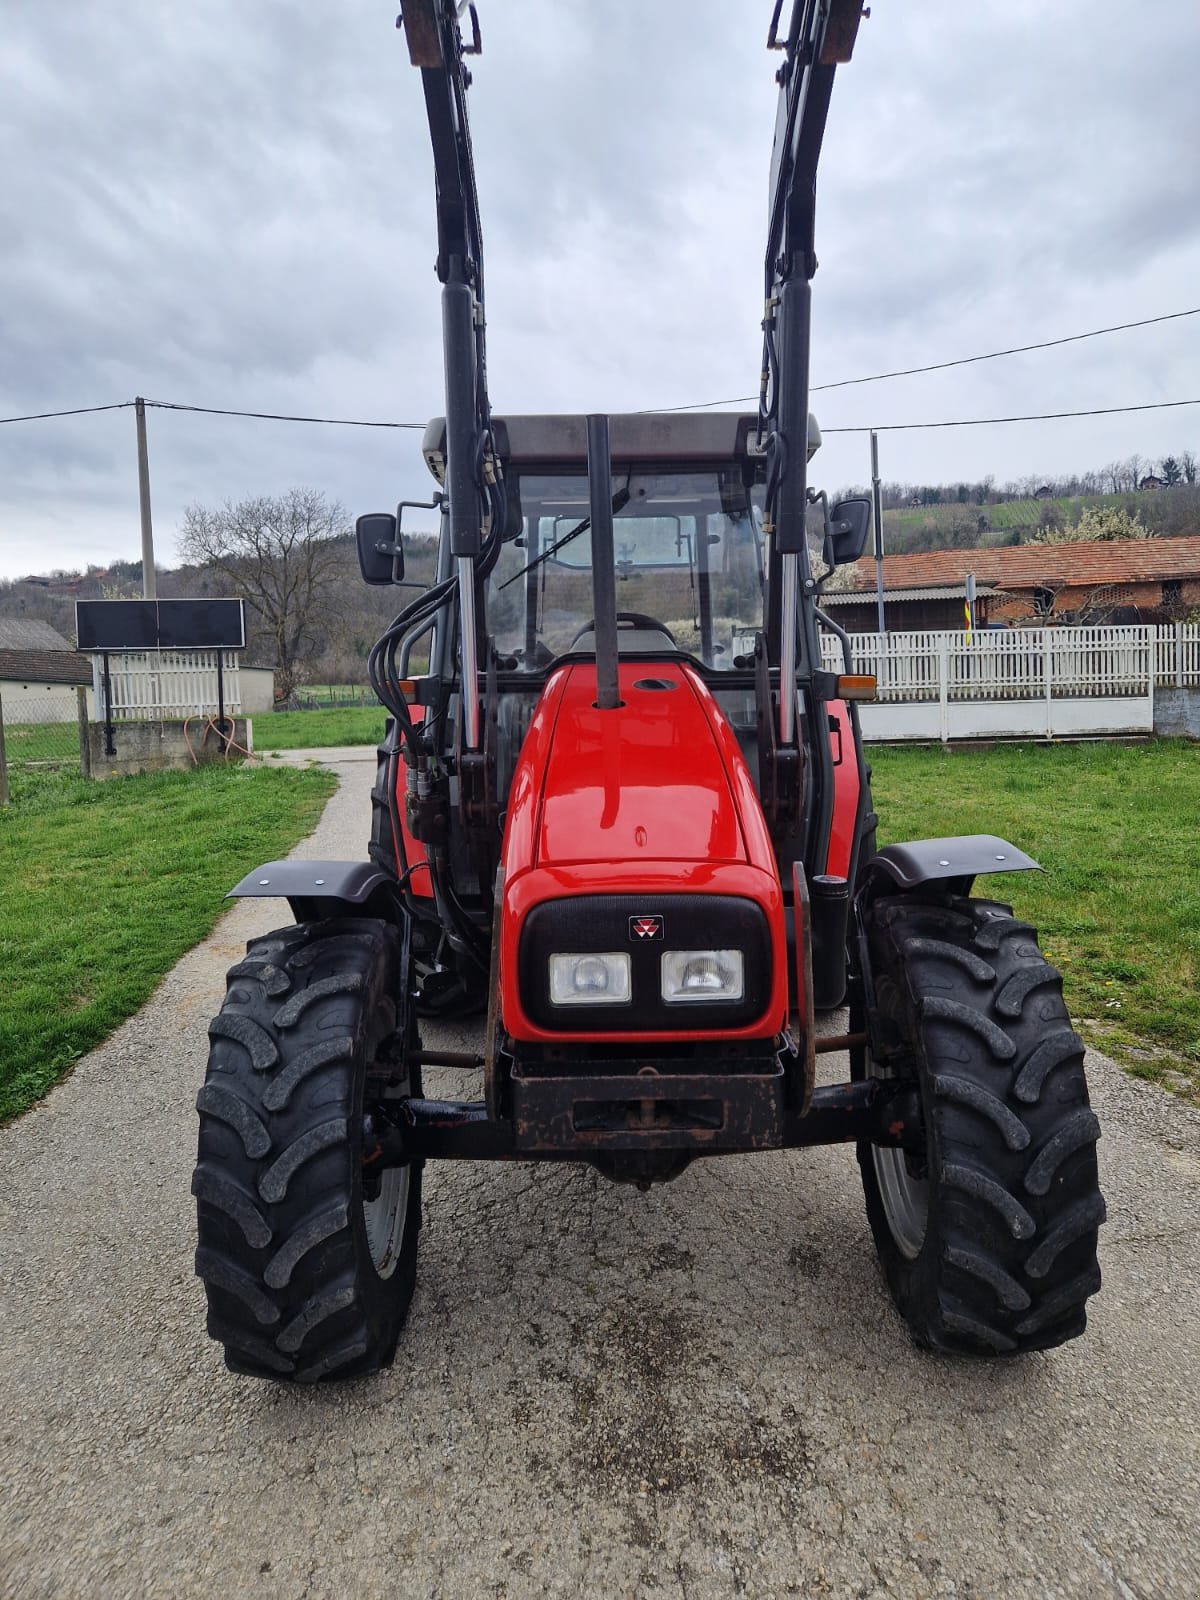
(623, 811)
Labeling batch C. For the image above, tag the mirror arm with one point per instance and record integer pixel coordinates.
(396, 550)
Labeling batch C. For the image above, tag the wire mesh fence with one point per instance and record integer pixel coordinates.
(38, 732)
(328, 697)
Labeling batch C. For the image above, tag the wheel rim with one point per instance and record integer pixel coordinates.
(385, 1217)
(905, 1196)
(385, 1213)
(905, 1200)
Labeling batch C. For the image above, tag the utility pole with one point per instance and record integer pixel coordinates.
(149, 588)
(877, 506)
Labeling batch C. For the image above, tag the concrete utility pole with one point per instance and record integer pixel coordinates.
(149, 588)
(877, 506)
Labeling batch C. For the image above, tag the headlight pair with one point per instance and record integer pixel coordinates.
(686, 977)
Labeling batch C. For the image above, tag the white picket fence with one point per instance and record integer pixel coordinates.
(1041, 682)
(1023, 681)
(148, 685)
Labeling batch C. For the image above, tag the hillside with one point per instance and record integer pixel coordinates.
(908, 529)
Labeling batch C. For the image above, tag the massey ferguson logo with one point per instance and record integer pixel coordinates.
(645, 927)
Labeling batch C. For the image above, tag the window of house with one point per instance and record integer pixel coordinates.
(1172, 592)
(1043, 602)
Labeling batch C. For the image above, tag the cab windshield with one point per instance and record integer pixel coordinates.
(689, 567)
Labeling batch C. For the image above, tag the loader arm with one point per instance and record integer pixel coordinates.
(820, 34)
(435, 45)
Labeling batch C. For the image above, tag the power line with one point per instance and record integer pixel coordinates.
(276, 416)
(878, 427)
(1038, 416)
(212, 411)
(77, 411)
(1016, 350)
(942, 366)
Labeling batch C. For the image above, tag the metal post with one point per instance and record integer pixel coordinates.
(225, 742)
(604, 577)
(110, 744)
(149, 588)
(85, 743)
(3, 761)
(877, 508)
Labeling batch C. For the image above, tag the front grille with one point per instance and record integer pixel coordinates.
(603, 922)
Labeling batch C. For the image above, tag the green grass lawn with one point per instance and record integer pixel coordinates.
(318, 730)
(1117, 828)
(103, 886)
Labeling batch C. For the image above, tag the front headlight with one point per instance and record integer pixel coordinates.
(592, 978)
(702, 975)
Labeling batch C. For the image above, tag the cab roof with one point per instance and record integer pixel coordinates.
(549, 441)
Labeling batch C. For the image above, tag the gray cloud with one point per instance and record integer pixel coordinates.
(233, 205)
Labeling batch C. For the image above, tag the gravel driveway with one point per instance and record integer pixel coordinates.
(692, 1392)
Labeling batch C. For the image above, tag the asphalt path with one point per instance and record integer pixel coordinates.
(698, 1391)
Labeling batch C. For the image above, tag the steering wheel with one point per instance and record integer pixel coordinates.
(633, 619)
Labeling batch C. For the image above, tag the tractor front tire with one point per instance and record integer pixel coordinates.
(987, 1231)
(309, 1261)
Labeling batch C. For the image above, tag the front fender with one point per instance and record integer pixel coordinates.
(956, 862)
(319, 889)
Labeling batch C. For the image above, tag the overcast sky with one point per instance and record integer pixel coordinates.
(231, 205)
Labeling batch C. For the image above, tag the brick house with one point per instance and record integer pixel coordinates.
(1105, 581)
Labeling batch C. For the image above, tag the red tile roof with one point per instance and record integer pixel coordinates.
(1028, 566)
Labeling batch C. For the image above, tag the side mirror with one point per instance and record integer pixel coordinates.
(380, 553)
(849, 524)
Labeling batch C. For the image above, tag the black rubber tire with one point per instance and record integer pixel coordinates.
(305, 1043)
(968, 1009)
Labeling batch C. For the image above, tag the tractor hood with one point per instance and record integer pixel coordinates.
(645, 782)
(645, 811)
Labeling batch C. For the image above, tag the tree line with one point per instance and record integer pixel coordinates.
(1116, 477)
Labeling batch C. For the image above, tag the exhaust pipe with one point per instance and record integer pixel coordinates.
(604, 577)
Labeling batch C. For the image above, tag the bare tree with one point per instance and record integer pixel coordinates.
(1188, 462)
(282, 554)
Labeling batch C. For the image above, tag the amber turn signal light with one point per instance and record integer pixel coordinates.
(856, 686)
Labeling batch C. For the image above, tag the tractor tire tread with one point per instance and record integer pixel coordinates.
(1008, 1258)
(220, 1102)
(283, 1247)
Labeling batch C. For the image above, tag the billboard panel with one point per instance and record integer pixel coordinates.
(160, 625)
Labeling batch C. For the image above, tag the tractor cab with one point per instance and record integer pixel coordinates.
(688, 550)
(689, 554)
